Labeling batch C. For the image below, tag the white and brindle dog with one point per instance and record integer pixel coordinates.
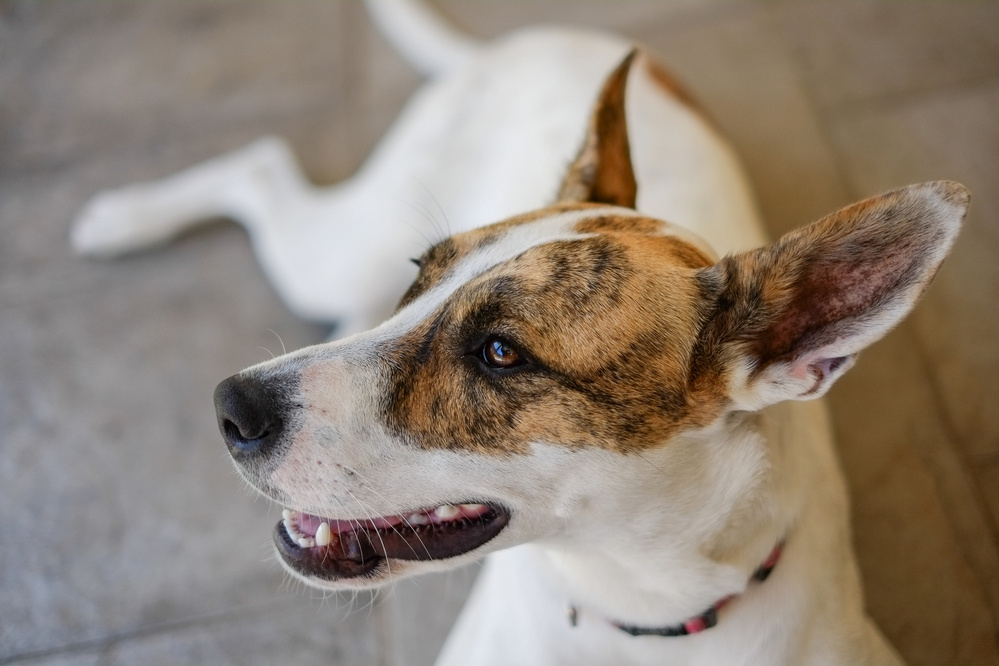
(623, 421)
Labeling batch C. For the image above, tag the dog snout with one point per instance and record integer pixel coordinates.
(250, 415)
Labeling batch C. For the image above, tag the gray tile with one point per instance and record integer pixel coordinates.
(928, 572)
(80, 79)
(120, 508)
(423, 610)
(852, 52)
(946, 136)
(297, 632)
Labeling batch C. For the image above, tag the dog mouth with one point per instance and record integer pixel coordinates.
(335, 549)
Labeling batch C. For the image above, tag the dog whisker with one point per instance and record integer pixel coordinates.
(284, 350)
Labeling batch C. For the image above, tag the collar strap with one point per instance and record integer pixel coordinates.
(705, 620)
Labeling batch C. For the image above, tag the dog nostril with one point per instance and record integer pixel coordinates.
(231, 430)
(249, 415)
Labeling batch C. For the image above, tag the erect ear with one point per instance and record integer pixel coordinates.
(602, 171)
(787, 320)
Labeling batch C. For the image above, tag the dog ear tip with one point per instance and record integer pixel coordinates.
(951, 191)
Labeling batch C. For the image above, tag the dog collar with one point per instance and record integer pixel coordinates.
(705, 620)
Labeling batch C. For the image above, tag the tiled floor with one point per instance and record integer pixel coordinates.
(124, 535)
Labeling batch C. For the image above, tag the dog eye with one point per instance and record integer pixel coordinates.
(499, 354)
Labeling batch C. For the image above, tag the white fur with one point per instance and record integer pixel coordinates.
(647, 539)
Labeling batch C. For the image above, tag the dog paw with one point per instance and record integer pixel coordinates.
(116, 222)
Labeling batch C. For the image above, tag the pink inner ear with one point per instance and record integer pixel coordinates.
(835, 294)
(821, 370)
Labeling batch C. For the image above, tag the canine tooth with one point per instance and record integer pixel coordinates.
(447, 511)
(287, 514)
(306, 542)
(417, 519)
(473, 508)
(323, 535)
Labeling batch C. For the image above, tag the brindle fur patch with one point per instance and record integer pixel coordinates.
(606, 323)
(689, 255)
(437, 262)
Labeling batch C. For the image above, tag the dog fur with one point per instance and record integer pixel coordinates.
(637, 410)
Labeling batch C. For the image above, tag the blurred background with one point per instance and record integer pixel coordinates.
(125, 536)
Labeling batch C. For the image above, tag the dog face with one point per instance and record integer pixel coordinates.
(568, 372)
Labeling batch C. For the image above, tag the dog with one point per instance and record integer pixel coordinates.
(576, 383)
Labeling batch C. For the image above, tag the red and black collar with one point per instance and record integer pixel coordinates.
(705, 620)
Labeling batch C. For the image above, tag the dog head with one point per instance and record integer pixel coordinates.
(571, 371)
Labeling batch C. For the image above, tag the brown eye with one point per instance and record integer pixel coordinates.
(499, 354)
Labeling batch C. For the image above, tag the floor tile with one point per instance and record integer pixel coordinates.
(126, 508)
(493, 18)
(419, 635)
(851, 52)
(951, 136)
(109, 74)
(296, 632)
(923, 587)
(988, 483)
(741, 72)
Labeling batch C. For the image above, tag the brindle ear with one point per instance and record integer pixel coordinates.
(787, 320)
(602, 171)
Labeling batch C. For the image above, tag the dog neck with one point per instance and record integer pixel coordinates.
(643, 563)
(697, 624)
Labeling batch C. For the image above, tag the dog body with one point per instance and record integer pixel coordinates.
(584, 392)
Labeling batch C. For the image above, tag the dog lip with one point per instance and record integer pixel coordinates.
(356, 548)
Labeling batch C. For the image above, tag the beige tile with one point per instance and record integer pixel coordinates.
(854, 51)
(928, 564)
(988, 483)
(734, 63)
(951, 136)
(493, 18)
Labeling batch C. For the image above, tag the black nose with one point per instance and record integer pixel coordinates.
(250, 415)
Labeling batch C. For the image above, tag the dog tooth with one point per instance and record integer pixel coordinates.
(471, 508)
(287, 514)
(323, 535)
(418, 519)
(446, 512)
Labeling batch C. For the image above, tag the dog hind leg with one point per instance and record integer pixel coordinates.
(250, 185)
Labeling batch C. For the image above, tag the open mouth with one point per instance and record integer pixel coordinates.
(333, 549)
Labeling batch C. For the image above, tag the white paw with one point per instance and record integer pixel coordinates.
(115, 222)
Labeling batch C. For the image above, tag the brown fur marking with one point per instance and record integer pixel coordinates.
(606, 322)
